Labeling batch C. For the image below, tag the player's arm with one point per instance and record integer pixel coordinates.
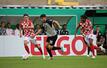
(39, 31)
(78, 26)
(21, 30)
(57, 23)
(31, 25)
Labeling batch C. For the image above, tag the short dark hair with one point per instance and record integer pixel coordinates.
(42, 15)
(84, 16)
(25, 15)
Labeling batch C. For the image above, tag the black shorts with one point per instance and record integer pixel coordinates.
(52, 40)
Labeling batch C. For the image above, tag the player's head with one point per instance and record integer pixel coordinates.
(43, 18)
(25, 16)
(83, 18)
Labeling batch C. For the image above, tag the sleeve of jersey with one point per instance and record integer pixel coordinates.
(20, 25)
(31, 24)
(49, 21)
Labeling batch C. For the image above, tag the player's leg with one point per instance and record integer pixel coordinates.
(88, 51)
(99, 48)
(33, 40)
(92, 47)
(58, 48)
(53, 39)
(88, 45)
(102, 48)
(49, 48)
(89, 39)
(26, 46)
(39, 48)
(26, 42)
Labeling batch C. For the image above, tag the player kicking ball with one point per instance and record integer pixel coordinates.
(48, 27)
(27, 30)
(85, 26)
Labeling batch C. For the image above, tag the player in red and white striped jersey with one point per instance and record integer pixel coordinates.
(27, 29)
(86, 28)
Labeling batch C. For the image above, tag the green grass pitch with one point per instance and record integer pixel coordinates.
(57, 62)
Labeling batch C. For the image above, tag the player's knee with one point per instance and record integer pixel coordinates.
(26, 42)
(48, 47)
(91, 41)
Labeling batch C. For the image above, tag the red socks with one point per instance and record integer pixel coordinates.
(27, 49)
(92, 47)
(92, 50)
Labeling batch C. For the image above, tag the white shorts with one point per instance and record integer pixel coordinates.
(29, 39)
(90, 36)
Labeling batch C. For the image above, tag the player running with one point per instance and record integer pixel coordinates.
(27, 29)
(85, 26)
(48, 27)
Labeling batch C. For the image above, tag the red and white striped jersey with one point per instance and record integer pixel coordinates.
(27, 27)
(86, 28)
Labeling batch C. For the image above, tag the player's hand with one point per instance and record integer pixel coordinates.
(83, 35)
(32, 35)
